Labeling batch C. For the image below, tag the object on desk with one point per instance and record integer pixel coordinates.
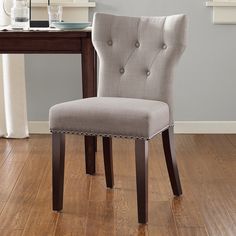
(71, 25)
(20, 15)
(37, 23)
(54, 14)
(5, 8)
(73, 10)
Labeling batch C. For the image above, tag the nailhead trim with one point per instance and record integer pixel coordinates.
(105, 135)
(95, 134)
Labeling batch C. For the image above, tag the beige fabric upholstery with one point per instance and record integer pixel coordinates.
(121, 117)
(137, 57)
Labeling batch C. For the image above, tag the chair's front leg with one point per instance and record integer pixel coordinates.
(90, 152)
(108, 163)
(58, 160)
(168, 145)
(141, 159)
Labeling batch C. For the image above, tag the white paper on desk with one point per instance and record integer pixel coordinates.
(42, 29)
(6, 27)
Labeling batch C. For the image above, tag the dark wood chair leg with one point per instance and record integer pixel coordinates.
(108, 164)
(168, 145)
(141, 158)
(89, 84)
(96, 144)
(90, 154)
(58, 160)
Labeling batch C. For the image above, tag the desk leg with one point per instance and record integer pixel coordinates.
(89, 81)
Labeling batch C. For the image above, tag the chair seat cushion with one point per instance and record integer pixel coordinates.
(110, 116)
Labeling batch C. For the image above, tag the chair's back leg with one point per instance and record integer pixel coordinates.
(141, 159)
(90, 153)
(58, 160)
(108, 163)
(168, 145)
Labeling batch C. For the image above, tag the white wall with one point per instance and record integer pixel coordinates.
(205, 82)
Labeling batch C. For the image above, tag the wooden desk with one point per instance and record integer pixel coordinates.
(39, 42)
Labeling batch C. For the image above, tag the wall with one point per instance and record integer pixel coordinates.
(205, 78)
(51, 79)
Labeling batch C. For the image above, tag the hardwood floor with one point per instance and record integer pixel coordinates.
(207, 166)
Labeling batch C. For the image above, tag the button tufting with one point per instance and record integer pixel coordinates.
(148, 73)
(109, 42)
(122, 70)
(137, 44)
(164, 46)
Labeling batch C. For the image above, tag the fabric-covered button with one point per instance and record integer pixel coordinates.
(148, 72)
(164, 46)
(122, 70)
(137, 44)
(109, 42)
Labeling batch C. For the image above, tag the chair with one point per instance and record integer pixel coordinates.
(137, 57)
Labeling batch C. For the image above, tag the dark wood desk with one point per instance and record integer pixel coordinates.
(39, 42)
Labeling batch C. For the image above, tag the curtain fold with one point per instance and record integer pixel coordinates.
(13, 112)
(2, 104)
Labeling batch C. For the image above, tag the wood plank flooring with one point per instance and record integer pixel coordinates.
(207, 165)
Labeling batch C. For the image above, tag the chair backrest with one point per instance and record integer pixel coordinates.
(137, 55)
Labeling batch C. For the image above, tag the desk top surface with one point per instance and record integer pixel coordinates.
(45, 41)
(44, 32)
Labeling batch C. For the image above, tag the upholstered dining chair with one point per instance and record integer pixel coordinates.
(137, 57)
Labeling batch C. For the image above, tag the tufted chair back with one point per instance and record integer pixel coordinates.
(137, 55)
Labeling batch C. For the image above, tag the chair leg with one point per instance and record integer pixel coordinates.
(168, 145)
(58, 160)
(96, 144)
(108, 164)
(141, 159)
(90, 142)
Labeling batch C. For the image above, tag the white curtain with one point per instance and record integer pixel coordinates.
(13, 113)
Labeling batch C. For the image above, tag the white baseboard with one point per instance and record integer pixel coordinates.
(205, 127)
(181, 127)
(39, 127)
